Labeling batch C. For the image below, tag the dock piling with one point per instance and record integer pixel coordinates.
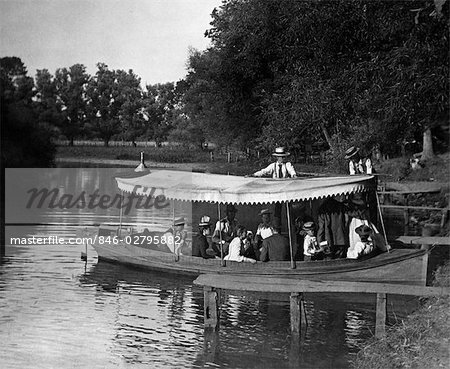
(380, 323)
(211, 308)
(298, 313)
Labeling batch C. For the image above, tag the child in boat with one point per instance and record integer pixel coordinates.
(234, 251)
(311, 248)
(363, 247)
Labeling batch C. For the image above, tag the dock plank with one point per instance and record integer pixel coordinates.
(285, 285)
(420, 240)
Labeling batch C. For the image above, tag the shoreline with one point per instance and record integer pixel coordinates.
(129, 163)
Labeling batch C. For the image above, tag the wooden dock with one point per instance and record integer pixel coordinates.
(213, 283)
(424, 240)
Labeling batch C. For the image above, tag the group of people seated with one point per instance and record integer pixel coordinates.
(236, 243)
(342, 230)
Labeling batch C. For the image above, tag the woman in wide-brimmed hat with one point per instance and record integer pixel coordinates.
(200, 245)
(357, 165)
(280, 168)
(365, 245)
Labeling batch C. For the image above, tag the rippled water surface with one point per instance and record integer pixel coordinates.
(57, 311)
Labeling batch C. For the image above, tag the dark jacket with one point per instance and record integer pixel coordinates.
(199, 246)
(332, 224)
(275, 247)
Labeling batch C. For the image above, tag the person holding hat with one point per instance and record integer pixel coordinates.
(311, 248)
(265, 228)
(200, 241)
(176, 237)
(275, 247)
(363, 247)
(227, 228)
(357, 165)
(280, 168)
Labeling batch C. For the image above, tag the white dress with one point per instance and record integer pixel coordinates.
(377, 238)
(234, 252)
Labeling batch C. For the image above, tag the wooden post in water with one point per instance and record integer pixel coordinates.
(406, 215)
(211, 308)
(298, 314)
(380, 323)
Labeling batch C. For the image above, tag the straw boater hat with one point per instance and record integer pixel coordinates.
(281, 151)
(179, 221)
(205, 221)
(264, 211)
(352, 151)
(308, 226)
(364, 230)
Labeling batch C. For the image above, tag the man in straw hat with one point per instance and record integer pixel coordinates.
(176, 236)
(280, 168)
(227, 227)
(356, 165)
(265, 228)
(200, 243)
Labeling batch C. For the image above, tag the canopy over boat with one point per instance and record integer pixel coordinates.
(189, 186)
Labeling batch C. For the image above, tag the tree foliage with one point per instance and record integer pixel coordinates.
(300, 72)
(25, 142)
(71, 87)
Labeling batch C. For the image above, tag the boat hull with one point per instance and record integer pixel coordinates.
(401, 266)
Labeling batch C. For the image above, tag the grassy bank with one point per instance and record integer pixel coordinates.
(195, 158)
(421, 341)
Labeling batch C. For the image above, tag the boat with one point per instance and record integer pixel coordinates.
(399, 265)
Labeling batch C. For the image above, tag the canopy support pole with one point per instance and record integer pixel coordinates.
(382, 221)
(173, 230)
(222, 262)
(293, 265)
(120, 212)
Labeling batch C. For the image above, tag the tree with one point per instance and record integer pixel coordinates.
(131, 112)
(71, 87)
(47, 104)
(25, 143)
(104, 104)
(160, 102)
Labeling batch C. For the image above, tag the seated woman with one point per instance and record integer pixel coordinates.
(200, 243)
(234, 252)
(363, 247)
(359, 217)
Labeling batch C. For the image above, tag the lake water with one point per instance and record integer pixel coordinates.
(58, 311)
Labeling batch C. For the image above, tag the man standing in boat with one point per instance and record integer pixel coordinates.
(356, 164)
(279, 169)
(227, 227)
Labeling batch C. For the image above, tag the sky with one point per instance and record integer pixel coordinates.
(151, 37)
